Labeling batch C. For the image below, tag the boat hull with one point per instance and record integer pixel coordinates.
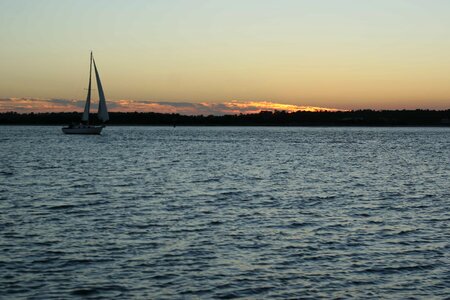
(83, 130)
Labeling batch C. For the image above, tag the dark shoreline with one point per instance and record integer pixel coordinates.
(359, 118)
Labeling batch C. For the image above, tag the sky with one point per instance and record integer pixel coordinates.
(226, 56)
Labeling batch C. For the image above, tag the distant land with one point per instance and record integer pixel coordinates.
(263, 118)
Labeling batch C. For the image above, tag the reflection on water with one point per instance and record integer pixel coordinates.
(148, 212)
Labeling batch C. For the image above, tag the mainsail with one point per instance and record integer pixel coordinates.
(87, 106)
(102, 110)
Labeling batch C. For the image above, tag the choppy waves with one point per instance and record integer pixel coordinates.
(168, 213)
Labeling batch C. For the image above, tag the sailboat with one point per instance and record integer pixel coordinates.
(84, 127)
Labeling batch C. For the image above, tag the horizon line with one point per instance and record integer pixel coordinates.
(233, 107)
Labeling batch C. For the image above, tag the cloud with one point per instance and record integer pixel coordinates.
(26, 105)
(205, 108)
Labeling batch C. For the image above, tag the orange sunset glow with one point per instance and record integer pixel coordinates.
(227, 57)
(27, 105)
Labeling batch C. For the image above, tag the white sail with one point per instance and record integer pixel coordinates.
(102, 109)
(85, 127)
(87, 106)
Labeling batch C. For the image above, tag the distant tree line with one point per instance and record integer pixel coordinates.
(264, 118)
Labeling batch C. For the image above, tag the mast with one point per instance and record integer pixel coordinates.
(87, 106)
(102, 110)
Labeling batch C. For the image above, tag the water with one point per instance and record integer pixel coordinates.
(192, 212)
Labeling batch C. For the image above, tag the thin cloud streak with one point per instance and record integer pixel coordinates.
(27, 105)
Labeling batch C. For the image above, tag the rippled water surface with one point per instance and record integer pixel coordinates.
(192, 212)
